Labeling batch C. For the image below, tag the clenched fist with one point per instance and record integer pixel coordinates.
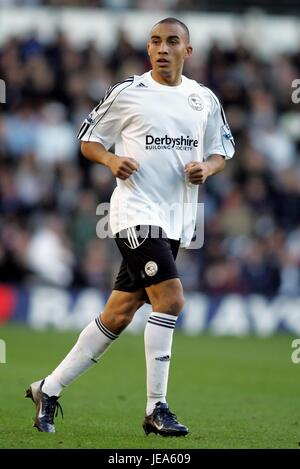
(123, 167)
(197, 172)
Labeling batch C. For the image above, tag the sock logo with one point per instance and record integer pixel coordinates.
(165, 358)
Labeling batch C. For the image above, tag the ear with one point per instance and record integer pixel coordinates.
(189, 51)
(148, 45)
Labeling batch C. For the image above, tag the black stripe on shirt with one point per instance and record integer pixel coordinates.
(129, 81)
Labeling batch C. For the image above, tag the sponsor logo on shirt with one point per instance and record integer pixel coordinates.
(167, 143)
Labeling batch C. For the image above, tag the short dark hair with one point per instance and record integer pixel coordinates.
(172, 20)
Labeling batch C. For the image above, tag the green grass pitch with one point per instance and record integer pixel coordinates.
(230, 392)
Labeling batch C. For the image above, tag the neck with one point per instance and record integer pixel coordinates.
(168, 79)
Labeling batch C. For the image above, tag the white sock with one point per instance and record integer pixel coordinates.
(158, 344)
(91, 344)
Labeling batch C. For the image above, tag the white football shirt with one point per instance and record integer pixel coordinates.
(163, 128)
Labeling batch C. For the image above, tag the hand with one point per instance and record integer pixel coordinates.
(123, 167)
(197, 173)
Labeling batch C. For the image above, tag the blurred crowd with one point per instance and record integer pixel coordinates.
(276, 6)
(49, 192)
(110, 4)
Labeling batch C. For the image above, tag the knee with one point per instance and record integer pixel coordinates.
(118, 319)
(170, 305)
(117, 322)
(176, 305)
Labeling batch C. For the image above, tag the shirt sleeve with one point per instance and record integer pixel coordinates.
(218, 138)
(104, 123)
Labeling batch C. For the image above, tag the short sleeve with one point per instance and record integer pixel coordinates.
(218, 138)
(104, 123)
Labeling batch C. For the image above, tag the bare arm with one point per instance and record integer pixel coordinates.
(197, 173)
(120, 166)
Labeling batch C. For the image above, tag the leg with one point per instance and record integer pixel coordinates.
(150, 262)
(93, 341)
(167, 301)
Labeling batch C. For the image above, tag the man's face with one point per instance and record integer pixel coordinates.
(168, 48)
